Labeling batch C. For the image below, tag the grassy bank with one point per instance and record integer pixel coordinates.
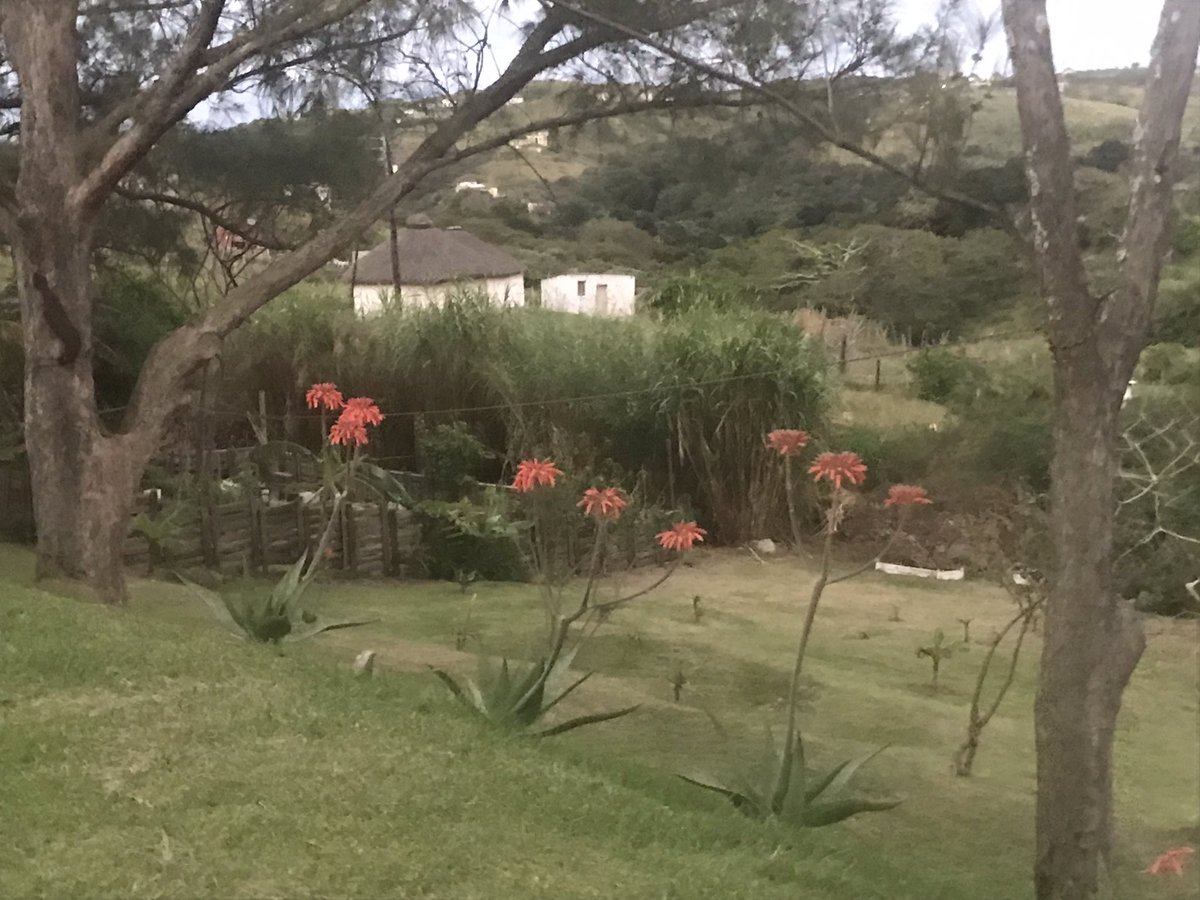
(150, 755)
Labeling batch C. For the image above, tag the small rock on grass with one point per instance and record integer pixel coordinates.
(364, 663)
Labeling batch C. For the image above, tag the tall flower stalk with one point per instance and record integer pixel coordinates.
(789, 443)
(841, 471)
(521, 700)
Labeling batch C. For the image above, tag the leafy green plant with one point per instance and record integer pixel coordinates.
(158, 530)
(465, 631)
(941, 375)
(785, 789)
(477, 536)
(278, 616)
(810, 798)
(274, 617)
(937, 651)
(518, 699)
(452, 457)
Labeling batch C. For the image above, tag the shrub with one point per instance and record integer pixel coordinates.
(451, 457)
(1170, 364)
(726, 380)
(1185, 236)
(942, 375)
(1177, 314)
(471, 536)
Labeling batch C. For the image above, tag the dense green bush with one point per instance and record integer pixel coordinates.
(1171, 364)
(921, 285)
(1185, 236)
(476, 537)
(942, 375)
(1177, 313)
(679, 406)
(451, 457)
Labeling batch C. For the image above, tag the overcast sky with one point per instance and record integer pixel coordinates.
(1087, 34)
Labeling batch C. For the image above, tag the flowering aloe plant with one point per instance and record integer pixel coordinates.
(278, 616)
(788, 789)
(519, 699)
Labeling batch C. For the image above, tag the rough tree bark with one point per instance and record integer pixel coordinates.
(1092, 639)
(84, 476)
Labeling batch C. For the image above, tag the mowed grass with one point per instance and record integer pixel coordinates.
(149, 754)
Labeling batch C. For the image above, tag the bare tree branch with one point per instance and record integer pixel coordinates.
(153, 118)
(212, 215)
(157, 109)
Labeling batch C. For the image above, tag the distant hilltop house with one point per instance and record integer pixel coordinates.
(536, 140)
(433, 263)
(478, 186)
(590, 294)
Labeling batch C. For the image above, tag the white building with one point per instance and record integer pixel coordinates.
(591, 294)
(537, 140)
(434, 262)
(478, 186)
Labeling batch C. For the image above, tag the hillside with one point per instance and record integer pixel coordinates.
(152, 755)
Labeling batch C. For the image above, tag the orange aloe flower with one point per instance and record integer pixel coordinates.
(839, 467)
(602, 504)
(351, 426)
(787, 441)
(681, 536)
(324, 395)
(1171, 861)
(363, 410)
(533, 473)
(347, 431)
(906, 495)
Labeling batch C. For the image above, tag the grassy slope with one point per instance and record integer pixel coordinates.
(150, 755)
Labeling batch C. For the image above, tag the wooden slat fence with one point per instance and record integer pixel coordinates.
(372, 538)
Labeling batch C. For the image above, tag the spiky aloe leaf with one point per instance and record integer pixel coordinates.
(743, 800)
(319, 626)
(817, 785)
(566, 692)
(580, 721)
(218, 606)
(818, 815)
(559, 675)
(288, 589)
(383, 483)
(847, 772)
(467, 693)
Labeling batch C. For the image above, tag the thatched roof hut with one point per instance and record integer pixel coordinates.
(430, 255)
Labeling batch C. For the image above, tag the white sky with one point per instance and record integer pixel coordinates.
(1087, 34)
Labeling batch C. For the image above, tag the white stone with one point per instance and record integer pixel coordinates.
(364, 663)
(765, 547)
(936, 574)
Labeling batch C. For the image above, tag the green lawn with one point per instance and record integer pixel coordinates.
(149, 754)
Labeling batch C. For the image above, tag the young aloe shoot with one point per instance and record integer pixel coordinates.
(936, 651)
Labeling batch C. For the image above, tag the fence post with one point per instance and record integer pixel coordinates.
(301, 529)
(842, 355)
(878, 374)
(258, 556)
(387, 537)
(349, 540)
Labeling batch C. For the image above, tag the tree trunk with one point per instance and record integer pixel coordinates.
(1092, 641)
(83, 480)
